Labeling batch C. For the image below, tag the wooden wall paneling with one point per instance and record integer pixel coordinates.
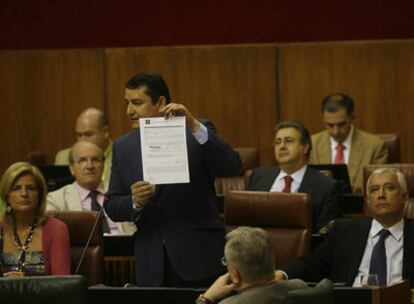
(14, 144)
(377, 74)
(233, 86)
(42, 92)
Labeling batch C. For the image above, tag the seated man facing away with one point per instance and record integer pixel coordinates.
(341, 143)
(292, 146)
(91, 125)
(87, 193)
(383, 245)
(249, 257)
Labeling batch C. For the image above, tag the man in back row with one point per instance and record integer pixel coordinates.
(91, 125)
(342, 143)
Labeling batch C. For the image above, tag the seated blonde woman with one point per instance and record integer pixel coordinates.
(30, 242)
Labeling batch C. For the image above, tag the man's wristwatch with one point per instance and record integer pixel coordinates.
(203, 300)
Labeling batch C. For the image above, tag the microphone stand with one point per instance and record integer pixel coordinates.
(89, 240)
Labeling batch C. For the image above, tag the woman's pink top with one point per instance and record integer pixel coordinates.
(56, 247)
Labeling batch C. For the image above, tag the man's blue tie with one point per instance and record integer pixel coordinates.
(378, 264)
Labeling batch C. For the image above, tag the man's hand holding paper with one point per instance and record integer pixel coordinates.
(141, 192)
(177, 109)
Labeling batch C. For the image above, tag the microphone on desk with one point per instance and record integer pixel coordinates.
(100, 214)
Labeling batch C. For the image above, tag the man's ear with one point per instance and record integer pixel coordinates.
(161, 102)
(235, 277)
(307, 147)
(105, 130)
(405, 198)
(72, 171)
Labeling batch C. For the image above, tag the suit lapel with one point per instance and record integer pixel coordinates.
(408, 266)
(357, 244)
(325, 149)
(72, 199)
(355, 156)
(135, 157)
(306, 186)
(268, 182)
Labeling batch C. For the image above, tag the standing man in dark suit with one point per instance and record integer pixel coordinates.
(180, 238)
(383, 245)
(292, 146)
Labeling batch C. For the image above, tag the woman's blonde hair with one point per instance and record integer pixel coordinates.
(9, 178)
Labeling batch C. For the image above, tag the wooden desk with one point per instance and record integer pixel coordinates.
(119, 260)
(395, 294)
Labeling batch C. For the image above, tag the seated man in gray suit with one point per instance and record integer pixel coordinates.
(249, 257)
(87, 193)
(292, 146)
(352, 248)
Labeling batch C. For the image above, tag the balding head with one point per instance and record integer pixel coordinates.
(92, 125)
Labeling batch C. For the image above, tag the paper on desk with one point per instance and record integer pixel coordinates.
(164, 150)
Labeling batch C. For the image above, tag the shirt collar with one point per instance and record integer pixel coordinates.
(346, 142)
(396, 230)
(84, 193)
(297, 176)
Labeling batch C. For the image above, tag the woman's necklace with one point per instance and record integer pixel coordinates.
(23, 247)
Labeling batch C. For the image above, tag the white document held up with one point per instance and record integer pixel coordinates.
(164, 150)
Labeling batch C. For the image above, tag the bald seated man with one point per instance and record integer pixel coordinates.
(91, 125)
(88, 191)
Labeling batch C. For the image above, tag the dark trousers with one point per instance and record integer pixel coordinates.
(172, 279)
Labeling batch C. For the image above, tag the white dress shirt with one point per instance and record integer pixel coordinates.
(394, 248)
(279, 183)
(346, 143)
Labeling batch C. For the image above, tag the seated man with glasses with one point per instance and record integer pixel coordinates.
(249, 258)
(87, 193)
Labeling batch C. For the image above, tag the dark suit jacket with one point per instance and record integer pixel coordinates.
(339, 256)
(182, 217)
(325, 193)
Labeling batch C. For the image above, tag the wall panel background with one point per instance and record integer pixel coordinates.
(378, 75)
(243, 89)
(233, 86)
(41, 93)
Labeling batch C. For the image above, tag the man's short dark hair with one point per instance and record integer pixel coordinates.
(305, 137)
(336, 101)
(155, 84)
